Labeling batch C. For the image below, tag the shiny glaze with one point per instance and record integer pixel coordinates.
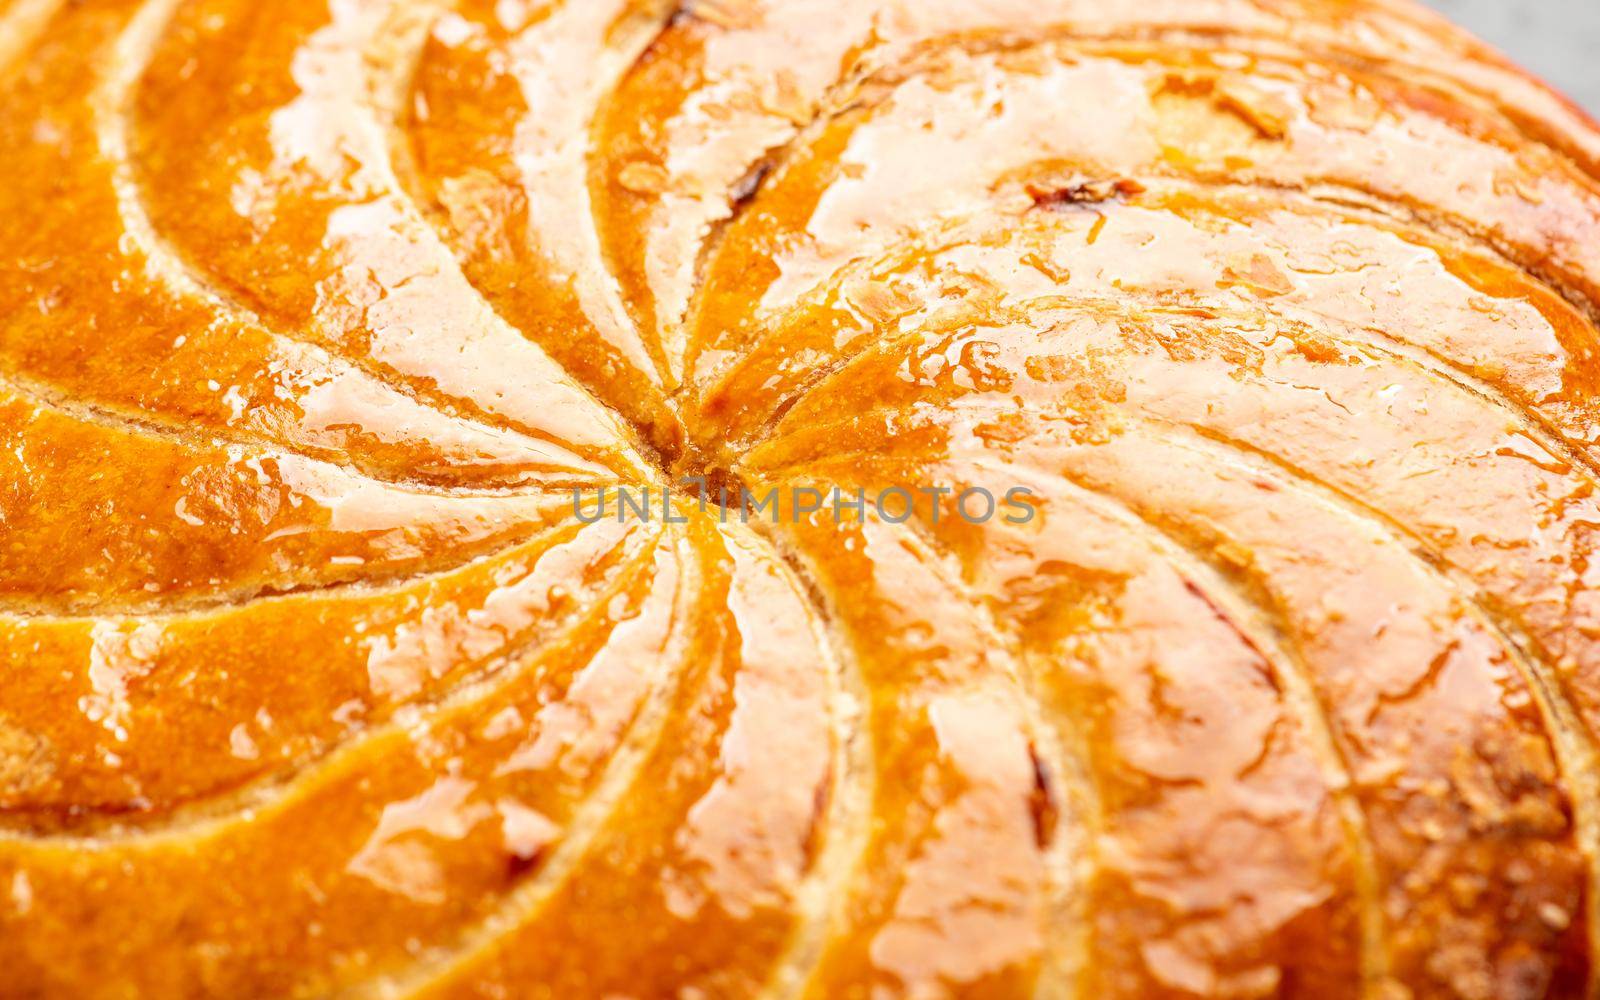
(312, 315)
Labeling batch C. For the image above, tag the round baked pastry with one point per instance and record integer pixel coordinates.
(1102, 502)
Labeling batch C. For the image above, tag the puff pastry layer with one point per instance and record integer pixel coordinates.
(314, 315)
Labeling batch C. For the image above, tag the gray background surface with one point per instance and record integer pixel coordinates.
(1558, 40)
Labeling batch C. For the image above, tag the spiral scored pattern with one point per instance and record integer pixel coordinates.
(313, 315)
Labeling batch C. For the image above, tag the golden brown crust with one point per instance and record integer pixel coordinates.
(313, 315)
